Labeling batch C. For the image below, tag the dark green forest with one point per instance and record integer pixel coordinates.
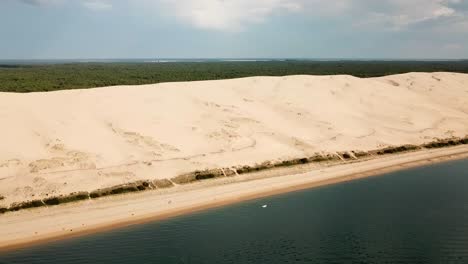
(50, 77)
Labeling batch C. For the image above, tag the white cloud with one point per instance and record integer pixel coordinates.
(237, 15)
(407, 13)
(40, 2)
(231, 15)
(453, 46)
(97, 5)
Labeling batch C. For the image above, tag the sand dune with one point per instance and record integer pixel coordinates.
(81, 140)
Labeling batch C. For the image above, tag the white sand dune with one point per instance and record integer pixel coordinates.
(81, 140)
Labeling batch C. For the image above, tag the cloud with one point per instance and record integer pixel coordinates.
(239, 15)
(453, 46)
(231, 15)
(40, 2)
(97, 5)
(402, 14)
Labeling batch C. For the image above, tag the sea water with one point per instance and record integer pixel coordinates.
(414, 216)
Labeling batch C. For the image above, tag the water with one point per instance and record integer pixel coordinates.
(414, 216)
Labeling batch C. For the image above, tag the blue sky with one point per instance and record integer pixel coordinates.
(58, 29)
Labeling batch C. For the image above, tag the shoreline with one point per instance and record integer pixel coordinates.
(319, 159)
(67, 221)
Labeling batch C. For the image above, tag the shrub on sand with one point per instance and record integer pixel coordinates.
(25, 205)
(198, 175)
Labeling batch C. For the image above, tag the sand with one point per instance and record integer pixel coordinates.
(81, 140)
(29, 227)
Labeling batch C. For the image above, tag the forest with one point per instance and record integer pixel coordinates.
(23, 78)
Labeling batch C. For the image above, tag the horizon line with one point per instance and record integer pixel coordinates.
(233, 59)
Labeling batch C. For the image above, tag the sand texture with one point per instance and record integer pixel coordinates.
(82, 140)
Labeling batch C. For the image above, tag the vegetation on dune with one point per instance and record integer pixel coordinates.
(446, 143)
(398, 149)
(198, 175)
(25, 205)
(123, 188)
(346, 156)
(360, 154)
(286, 163)
(51, 77)
(202, 175)
(78, 196)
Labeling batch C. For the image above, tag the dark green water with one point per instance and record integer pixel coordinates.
(414, 216)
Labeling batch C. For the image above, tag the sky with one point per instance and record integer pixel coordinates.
(79, 29)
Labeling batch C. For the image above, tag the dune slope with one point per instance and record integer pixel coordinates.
(81, 140)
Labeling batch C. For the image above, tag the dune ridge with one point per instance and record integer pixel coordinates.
(64, 142)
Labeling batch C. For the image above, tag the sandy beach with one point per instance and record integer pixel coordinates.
(62, 142)
(29, 227)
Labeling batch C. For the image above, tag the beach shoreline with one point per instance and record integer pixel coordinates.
(33, 227)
